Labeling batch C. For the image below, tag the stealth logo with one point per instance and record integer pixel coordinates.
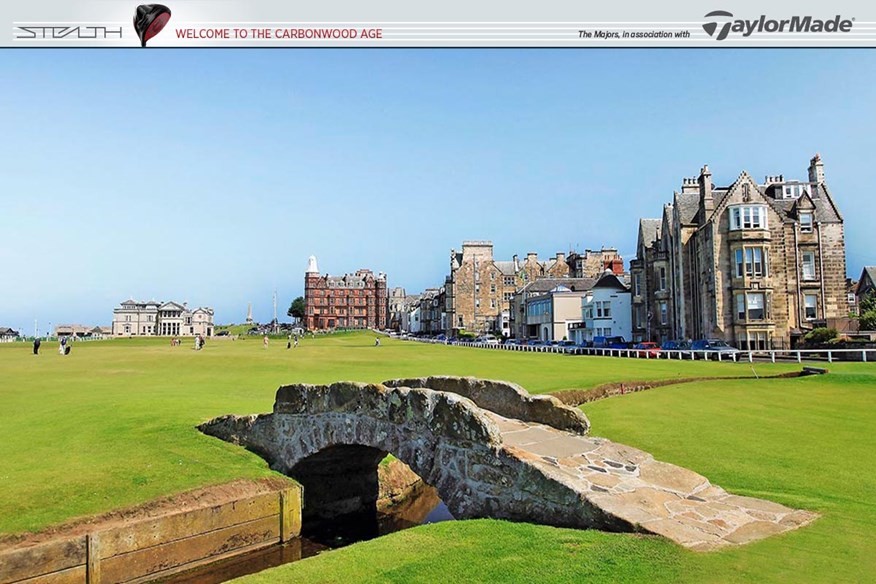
(795, 24)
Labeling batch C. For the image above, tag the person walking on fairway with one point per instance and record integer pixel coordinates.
(63, 345)
(265, 342)
(36, 346)
(296, 341)
(376, 341)
(289, 342)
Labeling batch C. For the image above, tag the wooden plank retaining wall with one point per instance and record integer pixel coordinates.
(149, 548)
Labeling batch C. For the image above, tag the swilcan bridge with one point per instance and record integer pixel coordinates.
(491, 450)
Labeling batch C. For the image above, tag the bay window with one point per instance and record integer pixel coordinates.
(748, 217)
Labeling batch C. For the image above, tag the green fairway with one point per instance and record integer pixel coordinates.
(805, 442)
(113, 424)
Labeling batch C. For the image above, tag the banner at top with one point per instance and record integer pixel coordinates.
(394, 23)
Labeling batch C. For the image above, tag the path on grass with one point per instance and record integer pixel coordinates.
(491, 450)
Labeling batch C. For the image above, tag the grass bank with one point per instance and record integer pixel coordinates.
(805, 442)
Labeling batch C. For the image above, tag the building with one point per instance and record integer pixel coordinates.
(757, 265)
(396, 305)
(82, 331)
(593, 263)
(7, 335)
(650, 295)
(524, 325)
(605, 311)
(356, 300)
(479, 288)
(866, 284)
(152, 318)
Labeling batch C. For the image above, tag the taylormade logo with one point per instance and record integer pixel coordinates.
(722, 26)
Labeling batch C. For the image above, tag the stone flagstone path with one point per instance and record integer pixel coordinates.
(654, 496)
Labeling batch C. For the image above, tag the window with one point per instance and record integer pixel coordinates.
(664, 312)
(810, 303)
(603, 309)
(477, 288)
(793, 191)
(662, 278)
(808, 265)
(751, 306)
(492, 303)
(754, 264)
(508, 296)
(637, 281)
(492, 288)
(740, 264)
(509, 280)
(805, 222)
(748, 217)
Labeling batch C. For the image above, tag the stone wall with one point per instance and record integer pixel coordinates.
(506, 399)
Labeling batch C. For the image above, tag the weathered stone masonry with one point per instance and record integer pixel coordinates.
(529, 461)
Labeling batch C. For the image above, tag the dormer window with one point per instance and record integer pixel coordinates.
(805, 222)
(793, 191)
(748, 217)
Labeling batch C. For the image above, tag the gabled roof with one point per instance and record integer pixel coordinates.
(545, 285)
(609, 280)
(687, 205)
(867, 272)
(171, 304)
(506, 267)
(649, 231)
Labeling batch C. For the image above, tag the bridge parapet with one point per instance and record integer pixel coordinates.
(506, 399)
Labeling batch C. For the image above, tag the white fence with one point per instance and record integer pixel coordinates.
(798, 355)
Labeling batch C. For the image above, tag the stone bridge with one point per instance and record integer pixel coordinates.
(491, 450)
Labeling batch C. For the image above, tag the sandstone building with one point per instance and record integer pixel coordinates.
(356, 300)
(755, 264)
(593, 263)
(478, 291)
(133, 318)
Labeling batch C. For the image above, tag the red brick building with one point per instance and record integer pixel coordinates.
(351, 301)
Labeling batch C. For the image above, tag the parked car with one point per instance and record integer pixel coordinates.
(647, 349)
(487, 340)
(222, 333)
(441, 337)
(675, 346)
(713, 346)
(567, 346)
(535, 342)
(610, 343)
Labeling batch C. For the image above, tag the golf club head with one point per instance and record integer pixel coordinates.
(149, 19)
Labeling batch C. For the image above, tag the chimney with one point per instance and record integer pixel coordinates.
(516, 263)
(561, 257)
(816, 170)
(532, 256)
(705, 183)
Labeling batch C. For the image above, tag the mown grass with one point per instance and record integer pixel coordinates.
(806, 442)
(113, 424)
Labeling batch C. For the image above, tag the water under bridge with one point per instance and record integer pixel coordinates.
(491, 450)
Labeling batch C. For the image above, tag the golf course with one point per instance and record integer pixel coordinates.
(113, 424)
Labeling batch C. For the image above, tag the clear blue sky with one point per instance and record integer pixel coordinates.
(210, 176)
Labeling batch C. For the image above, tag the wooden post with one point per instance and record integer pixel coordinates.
(92, 558)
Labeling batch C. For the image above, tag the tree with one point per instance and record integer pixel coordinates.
(296, 309)
(867, 320)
